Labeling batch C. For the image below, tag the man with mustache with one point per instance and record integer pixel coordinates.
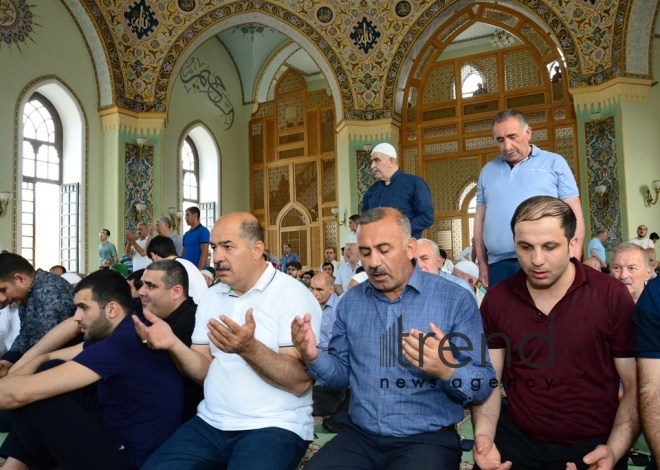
(631, 265)
(521, 171)
(408, 384)
(256, 412)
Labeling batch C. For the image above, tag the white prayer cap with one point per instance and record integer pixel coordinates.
(385, 149)
(468, 267)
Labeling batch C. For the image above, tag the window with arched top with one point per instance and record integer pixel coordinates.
(52, 157)
(42, 177)
(200, 174)
(190, 173)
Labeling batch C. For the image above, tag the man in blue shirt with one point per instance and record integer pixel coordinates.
(287, 257)
(196, 240)
(595, 249)
(409, 382)
(647, 350)
(521, 171)
(139, 391)
(408, 193)
(44, 300)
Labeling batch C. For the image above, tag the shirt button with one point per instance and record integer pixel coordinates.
(382, 392)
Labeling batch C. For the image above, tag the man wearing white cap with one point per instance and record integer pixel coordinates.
(469, 272)
(408, 193)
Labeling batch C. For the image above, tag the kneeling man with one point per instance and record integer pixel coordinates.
(562, 336)
(139, 391)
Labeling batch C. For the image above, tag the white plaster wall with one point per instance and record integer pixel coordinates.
(54, 47)
(185, 107)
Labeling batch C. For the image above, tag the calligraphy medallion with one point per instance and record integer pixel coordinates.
(141, 19)
(365, 35)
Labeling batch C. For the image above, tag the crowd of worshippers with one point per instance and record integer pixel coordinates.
(177, 361)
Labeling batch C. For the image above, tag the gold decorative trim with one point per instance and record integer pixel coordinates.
(618, 90)
(384, 129)
(115, 118)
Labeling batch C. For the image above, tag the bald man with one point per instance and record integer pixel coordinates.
(257, 394)
(137, 248)
(394, 188)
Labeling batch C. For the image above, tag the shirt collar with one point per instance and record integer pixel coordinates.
(264, 280)
(332, 301)
(534, 153)
(520, 285)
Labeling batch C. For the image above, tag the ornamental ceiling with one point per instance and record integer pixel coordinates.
(360, 47)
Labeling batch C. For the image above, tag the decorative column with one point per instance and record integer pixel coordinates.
(131, 170)
(353, 161)
(618, 153)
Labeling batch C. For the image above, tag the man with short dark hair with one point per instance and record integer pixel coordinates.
(44, 300)
(293, 269)
(196, 240)
(328, 268)
(139, 398)
(58, 270)
(388, 343)
(562, 337)
(164, 293)
(288, 256)
(107, 249)
(161, 247)
(330, 257)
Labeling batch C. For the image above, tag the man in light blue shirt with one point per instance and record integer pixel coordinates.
(322, 286)
(287, 256)
(408, 386)
(521, 171)
(595, 249)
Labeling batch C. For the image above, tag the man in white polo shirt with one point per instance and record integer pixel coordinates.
(256, 412)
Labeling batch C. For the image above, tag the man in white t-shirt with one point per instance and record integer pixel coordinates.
(136, 248)
(641, 239)
(257, 394)
(162, 247)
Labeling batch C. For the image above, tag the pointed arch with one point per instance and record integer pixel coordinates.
(280, 20)
(439, 29)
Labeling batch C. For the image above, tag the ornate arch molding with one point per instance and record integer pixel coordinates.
(436, 20)
(272, 15)
(639, 37)
(102, 49)
(210, 23)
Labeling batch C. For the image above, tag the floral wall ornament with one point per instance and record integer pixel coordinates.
(15, 22)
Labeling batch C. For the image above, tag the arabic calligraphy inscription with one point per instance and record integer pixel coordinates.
(141, 19)
(365, 35)
(197, 77)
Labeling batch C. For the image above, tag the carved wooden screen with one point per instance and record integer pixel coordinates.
(293, 169)
(446, 136)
